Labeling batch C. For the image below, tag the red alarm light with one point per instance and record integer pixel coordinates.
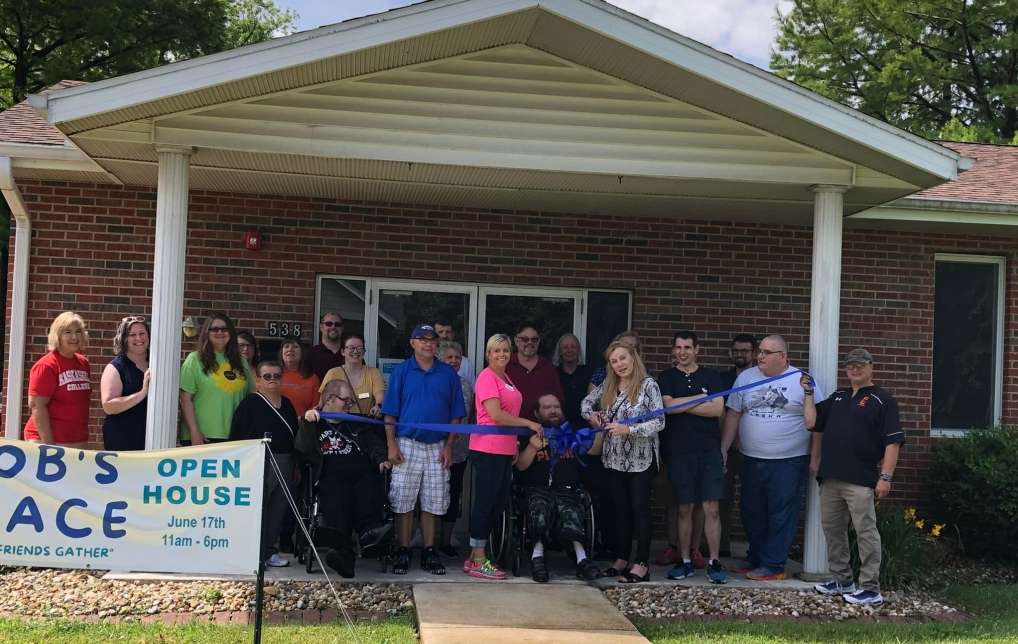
(252, 240)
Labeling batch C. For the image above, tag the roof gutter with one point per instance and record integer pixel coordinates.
(19, 299)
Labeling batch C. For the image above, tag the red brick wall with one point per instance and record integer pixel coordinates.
(92, 252)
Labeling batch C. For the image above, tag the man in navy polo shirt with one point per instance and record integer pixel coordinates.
(861, 436)
(691, 448)
(421, 390)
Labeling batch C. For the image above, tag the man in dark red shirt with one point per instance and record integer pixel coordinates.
(533, 374)
(328, 353)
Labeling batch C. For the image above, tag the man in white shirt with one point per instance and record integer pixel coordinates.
(768, 421)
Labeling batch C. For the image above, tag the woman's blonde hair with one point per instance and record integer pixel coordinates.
(60, 324)
(611, 381)
(495, 339)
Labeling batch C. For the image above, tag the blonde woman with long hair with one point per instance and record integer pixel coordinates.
(630, 453)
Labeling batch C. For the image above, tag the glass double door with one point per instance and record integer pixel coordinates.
(474, 312)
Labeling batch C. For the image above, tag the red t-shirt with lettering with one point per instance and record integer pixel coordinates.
(66, 382)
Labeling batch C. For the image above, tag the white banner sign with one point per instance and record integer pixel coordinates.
(194, 509)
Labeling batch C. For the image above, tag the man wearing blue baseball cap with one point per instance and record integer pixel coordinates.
(421, 390)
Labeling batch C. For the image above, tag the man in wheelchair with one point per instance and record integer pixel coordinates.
(555, 505)
(347, 461)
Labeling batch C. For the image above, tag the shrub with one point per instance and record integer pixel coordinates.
(974, 486)
(909, 546)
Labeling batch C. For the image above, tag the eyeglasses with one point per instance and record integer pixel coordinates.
(765, 352)
(330, 323)
(355, 349)
(219, 329)
(269, 377)
(528, 339)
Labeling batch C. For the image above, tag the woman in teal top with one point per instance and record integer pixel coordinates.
(213, 381)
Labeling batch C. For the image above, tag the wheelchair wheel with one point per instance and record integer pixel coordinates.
(501, 535)
(591, 526)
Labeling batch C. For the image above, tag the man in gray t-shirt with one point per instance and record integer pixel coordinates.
(768, 421)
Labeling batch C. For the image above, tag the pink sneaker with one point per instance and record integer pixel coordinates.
(668, 557)
(483, 569)
(697, 558)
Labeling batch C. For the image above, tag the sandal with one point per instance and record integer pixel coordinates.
(611, 571)
(539, 570)
(430, 561)
(629, 577)
(401, 562)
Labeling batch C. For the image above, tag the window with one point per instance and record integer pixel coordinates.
(968, 340)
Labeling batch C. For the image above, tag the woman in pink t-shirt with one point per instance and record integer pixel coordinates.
(60, 387)
(498, 402)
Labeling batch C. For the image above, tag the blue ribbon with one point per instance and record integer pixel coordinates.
(700, 401)
(564, 439)
(449, 428)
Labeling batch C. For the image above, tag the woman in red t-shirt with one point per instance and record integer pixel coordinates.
(60, 388)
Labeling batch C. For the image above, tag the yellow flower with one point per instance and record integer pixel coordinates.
(910, 514)
(935, 530)
(921, 523)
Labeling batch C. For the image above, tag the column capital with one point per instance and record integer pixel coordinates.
(828, 188)
(184, 150)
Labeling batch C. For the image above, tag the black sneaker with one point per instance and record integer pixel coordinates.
(716, 572)
(588, 570)
(431, 562)
(539, 570)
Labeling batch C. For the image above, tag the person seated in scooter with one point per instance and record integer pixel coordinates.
(555, 510)
(348, 460)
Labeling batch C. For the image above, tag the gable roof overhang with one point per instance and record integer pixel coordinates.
(571, 105)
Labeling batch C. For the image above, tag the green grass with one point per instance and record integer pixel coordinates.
(393, 631)
(994, 606)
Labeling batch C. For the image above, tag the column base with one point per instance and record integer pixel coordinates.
(813, 576)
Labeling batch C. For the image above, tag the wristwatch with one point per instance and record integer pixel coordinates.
(886, 476)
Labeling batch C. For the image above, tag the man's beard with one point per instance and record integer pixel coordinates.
(549, 422)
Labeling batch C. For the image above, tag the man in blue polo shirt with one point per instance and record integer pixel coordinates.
(421, 390)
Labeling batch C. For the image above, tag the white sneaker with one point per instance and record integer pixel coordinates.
(835, 588)
(865, 598)
(277, 561)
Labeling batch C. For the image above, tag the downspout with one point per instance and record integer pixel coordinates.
(19, 300)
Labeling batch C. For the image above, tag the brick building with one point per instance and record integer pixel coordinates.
(560, 160)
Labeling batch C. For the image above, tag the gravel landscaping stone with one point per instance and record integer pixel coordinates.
(762, 605)
(51, 593)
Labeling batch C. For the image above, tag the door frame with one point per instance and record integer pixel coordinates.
(577, 295)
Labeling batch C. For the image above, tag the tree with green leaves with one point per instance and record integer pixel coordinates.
(937, 68)
(45, 41)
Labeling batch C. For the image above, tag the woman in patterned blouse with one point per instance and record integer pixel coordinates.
(630, 453)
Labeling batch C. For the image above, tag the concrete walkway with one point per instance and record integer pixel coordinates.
(457, 613)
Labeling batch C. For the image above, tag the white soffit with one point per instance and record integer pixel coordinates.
(590, 33)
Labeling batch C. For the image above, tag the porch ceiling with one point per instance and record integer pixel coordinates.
(553, 105)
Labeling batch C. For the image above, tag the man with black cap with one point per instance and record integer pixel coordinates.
(861, 436)
(422, 389)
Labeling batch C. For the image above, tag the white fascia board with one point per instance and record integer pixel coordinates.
(728, 71)
(944, 212)
(290, 51)
(18, 151)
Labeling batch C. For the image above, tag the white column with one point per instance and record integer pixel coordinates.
(824, 314)
(167, 296)
(19, 300)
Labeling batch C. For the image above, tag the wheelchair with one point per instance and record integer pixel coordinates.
(510, 540)
(310, 516)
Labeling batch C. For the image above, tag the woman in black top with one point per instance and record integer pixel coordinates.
(267, 411)
(124, 387)
(347, 461)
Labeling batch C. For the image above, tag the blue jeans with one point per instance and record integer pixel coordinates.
(772, 492)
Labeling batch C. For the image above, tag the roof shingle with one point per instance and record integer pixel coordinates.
(22, 124)
(992, 179)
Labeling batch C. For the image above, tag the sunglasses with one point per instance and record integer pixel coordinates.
(269, 377)
(132, 319)
(355, 349)
(330, 323)
(219, 329)
(526, 339)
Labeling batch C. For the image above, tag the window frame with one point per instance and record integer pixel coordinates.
(998, 353)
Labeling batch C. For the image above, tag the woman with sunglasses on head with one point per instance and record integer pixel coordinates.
(213, 380)
(300, 384)
(123, 389)
(267, 411)
(59, 387)
(367, 382)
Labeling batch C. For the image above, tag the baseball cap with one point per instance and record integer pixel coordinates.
(423, 331)
(858, 356)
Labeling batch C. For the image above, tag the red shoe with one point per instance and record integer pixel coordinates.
(764, 574)
(669, 557)
(697, 558)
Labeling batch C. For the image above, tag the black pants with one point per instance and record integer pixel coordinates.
(455, 492)
(275, 503)
(493, 476)
(631, 491)
(597, 481)
(351, 500)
